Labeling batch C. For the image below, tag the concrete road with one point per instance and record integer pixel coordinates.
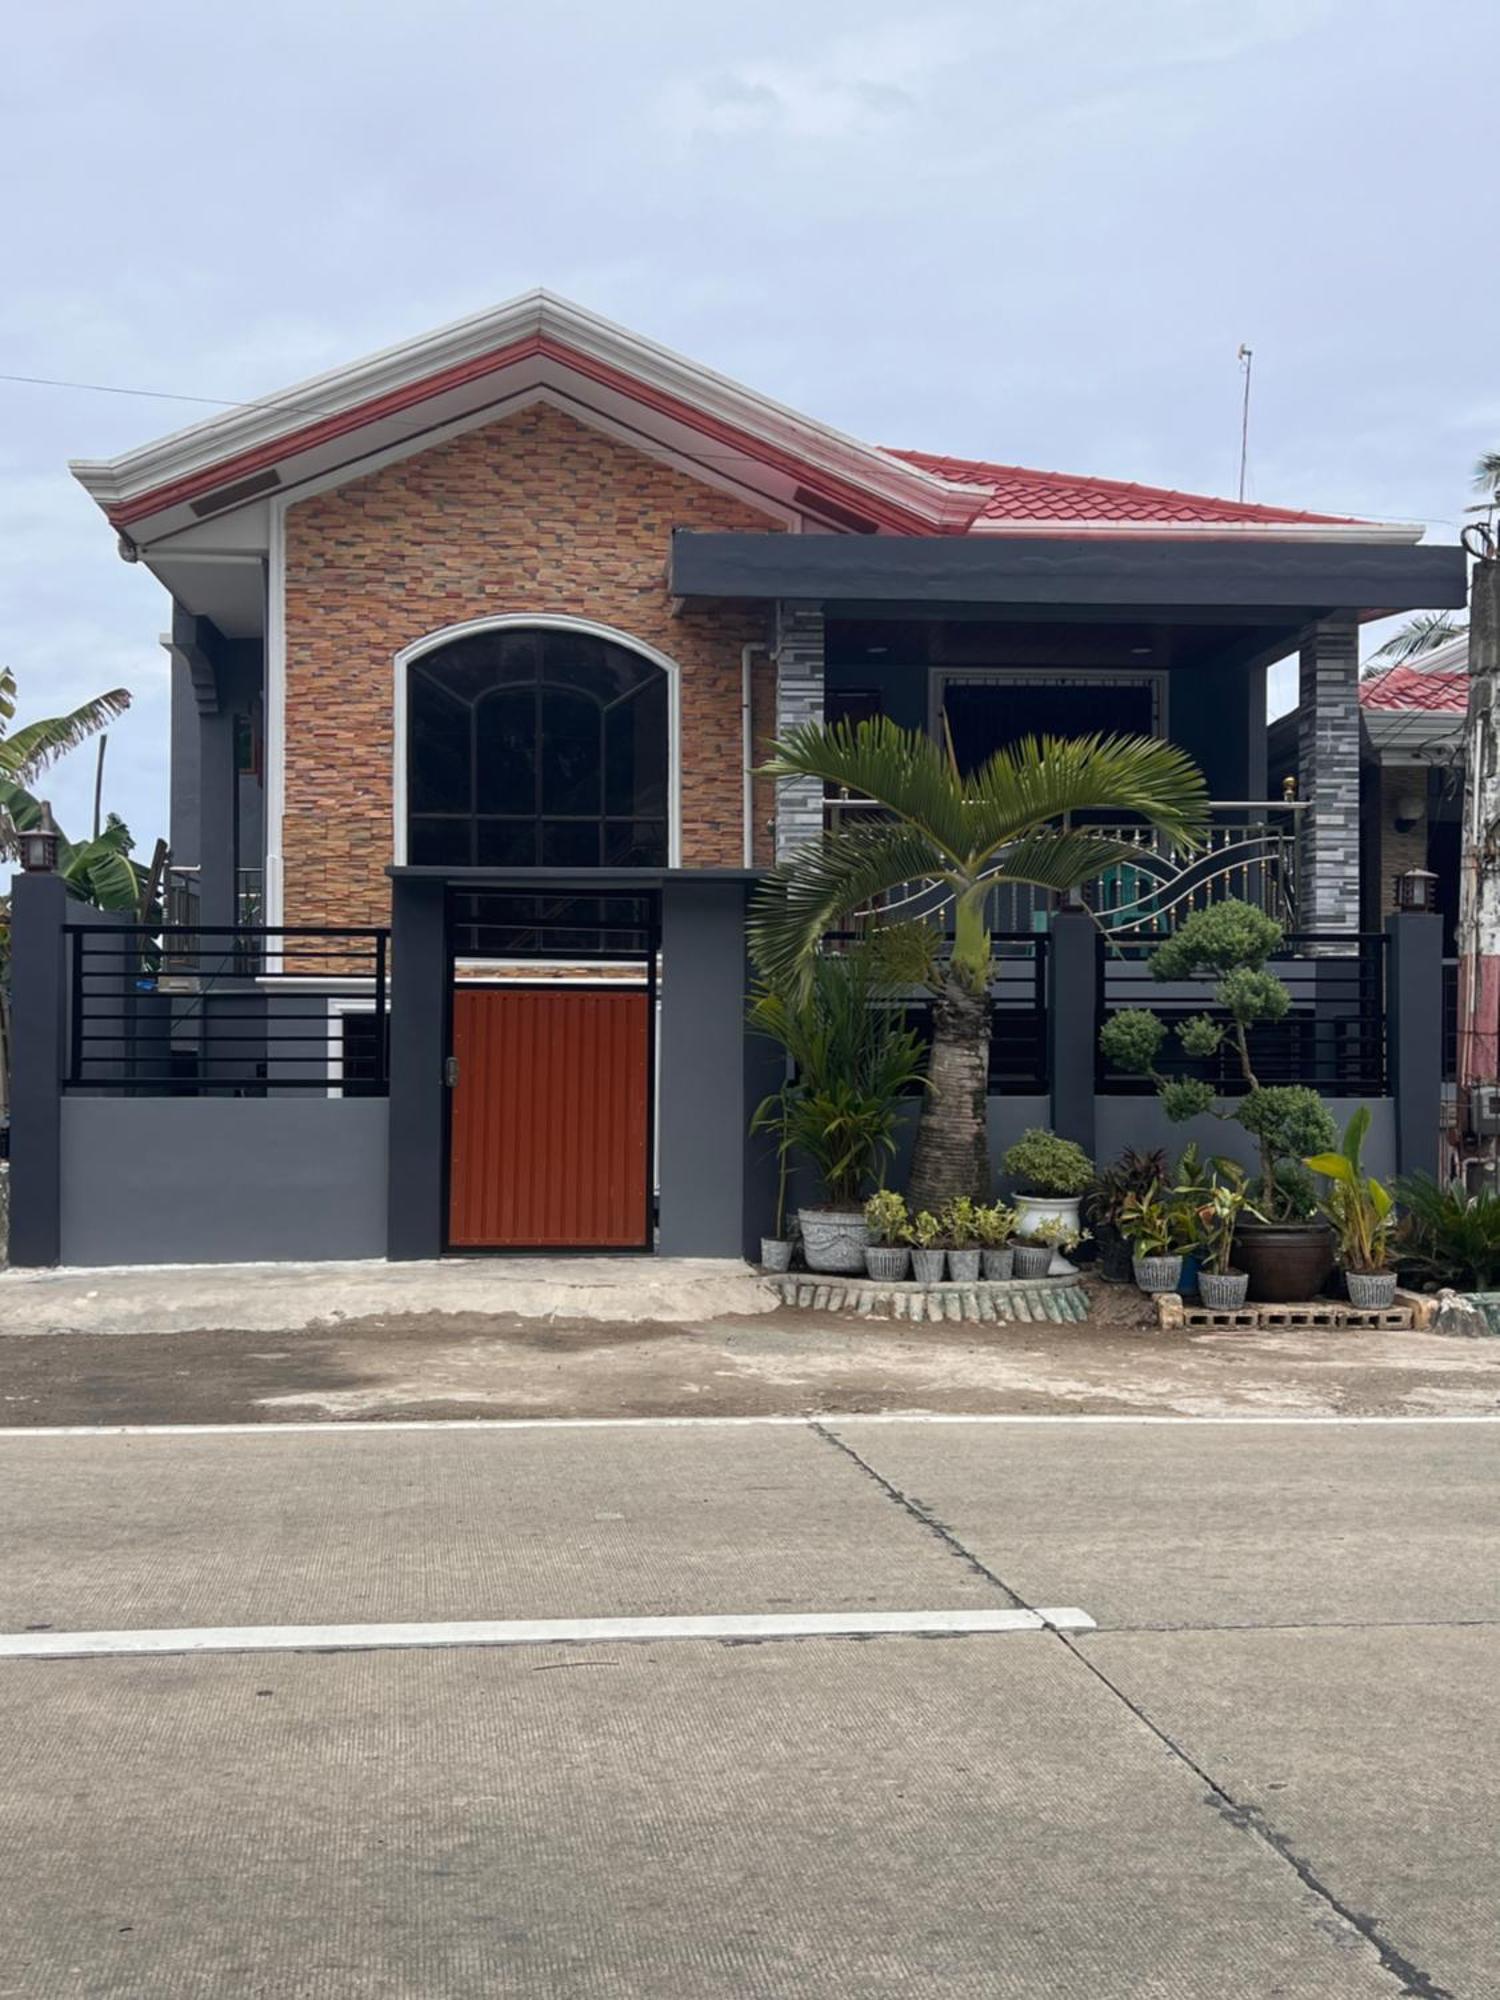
(1272, 1769)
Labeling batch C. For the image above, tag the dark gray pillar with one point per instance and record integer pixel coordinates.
(417, 1224)
(38, 910)
(218, 814)
(1072, 1025)
(705, 1075)
(1414, 1031)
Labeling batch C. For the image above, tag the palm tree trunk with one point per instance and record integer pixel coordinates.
(952, 1153)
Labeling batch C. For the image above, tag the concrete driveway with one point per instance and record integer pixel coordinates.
(1270, 1769)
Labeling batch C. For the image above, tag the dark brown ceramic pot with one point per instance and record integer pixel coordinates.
(1285, 1260)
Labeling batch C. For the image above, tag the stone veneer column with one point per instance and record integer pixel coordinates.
(1328, 761)
(799, 698)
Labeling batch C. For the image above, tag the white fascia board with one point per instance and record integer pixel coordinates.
(1259, 531)
(202, 446)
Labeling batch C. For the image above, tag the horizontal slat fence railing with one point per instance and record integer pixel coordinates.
(192, 1011)
(1333, 1038)
(1018, 1010)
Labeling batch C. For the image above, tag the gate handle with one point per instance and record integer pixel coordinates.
(450, 1072)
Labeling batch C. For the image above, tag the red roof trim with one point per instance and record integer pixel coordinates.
(240, 466)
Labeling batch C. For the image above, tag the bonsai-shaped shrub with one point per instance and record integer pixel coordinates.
(960, 1220)
(1359, 1207)
(1233, 941)
(1045, 1164)
(994, 1225)
(887, 1220)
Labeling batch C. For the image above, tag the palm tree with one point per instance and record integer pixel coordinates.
(1417, 636)
(26, 752)
(1008, 821)
(1487, 480)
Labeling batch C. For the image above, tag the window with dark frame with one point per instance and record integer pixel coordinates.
(536, 747)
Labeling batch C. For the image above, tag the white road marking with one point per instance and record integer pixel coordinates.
(537, 1632)
(834, 1421)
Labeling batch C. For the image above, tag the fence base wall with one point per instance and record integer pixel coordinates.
(222, 1180)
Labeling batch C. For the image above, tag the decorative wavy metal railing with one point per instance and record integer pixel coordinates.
(1249, 852)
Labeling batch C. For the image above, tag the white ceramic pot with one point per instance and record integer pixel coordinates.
(834, 1240)
(1034, 1208)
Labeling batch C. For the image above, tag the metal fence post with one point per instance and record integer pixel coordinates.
(38, 1020)
(1414, 1028)
(1072, 1024)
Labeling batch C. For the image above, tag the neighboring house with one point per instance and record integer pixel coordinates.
(516, 607)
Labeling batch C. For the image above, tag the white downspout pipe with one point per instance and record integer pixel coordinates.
(747, 750)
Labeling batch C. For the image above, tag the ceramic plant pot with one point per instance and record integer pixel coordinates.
(1033, 1260)
(1371, 1290)
(998, 1264)
(963, 1267)
(775, 1254)
(887, 1263)
(1034, 1208)
(834, 1240)
(927, 1266)
(1285, 1260)
(1223, 1291)
(1157, 1274)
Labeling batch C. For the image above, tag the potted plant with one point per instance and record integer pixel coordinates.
(960, 1219)
(1132, 1173)
(1362, 1213)
(852, 1061)
(1033, 1251)
(1052, 1176)
(1154, 1228)
(927, 1255)
(1286, 1251)
(994, 1225)
(770, 1116)
(887, 1257)
(1214, 1214)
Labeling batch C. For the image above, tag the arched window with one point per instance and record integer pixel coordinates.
(536, 746)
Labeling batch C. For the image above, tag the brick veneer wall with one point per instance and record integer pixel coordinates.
(535, 513)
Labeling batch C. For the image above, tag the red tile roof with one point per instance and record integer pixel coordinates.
(1020, 494)
(1438, 691)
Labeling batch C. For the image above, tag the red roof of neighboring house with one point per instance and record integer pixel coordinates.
(1437, 691)
(1021, 494)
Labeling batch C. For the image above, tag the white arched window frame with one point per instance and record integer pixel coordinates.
(539, 621)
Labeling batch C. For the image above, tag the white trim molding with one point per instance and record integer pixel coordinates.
(549, 621)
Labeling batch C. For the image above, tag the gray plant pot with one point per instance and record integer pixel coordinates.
(775, 1254)
(1157, 1274)
(834, 1240)
(1033, 1260)
(1223, 1291)
(887, 1262)
(963, 1267)
(998, 1264)
(1371, 1290)
(927, 1266)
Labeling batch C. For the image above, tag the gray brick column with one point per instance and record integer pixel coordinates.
(799, 698)
(1328, 760)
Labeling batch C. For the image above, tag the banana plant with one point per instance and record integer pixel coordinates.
(1359, 1206)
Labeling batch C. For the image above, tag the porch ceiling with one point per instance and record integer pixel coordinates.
(1238, 581)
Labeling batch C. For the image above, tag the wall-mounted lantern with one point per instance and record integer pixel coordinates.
(1417, 890)
(39, 844)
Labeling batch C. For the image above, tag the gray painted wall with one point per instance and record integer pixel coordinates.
(182, 1180)
(1140, 1122)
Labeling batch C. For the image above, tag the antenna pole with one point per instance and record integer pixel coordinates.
(1246, 360)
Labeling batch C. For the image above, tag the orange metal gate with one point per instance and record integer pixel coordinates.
(550, 1142)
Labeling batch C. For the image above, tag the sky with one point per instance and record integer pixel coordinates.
(1028, 230)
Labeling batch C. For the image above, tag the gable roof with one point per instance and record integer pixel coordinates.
(1414, 690)
(336, 425)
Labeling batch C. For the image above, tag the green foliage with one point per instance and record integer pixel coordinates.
(926, 1230)
(1132, 1173)
(852, 1061)
(886, 1218)
(1132, 1039)
(1448, 1236)
(1360, 1208)
(1212, 1210)
(1220, 938)
(1055, 1233)
(1252, 995)
(1199, 1034)
(1289, 1118)
(1155, 1226)
(1045, 1164)
(960, 1220)
(1185, 1097)
(994, 1224)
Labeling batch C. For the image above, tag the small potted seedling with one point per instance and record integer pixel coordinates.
(994, 1225)
(1154, 1230)
(960, 1221)
(776, 1251)
(887, 1255)
(928, 1254)
(1363, 1214)
(1213, 1214)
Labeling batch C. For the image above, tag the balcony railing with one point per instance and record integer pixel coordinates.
(1249, 851)
(182, 897)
